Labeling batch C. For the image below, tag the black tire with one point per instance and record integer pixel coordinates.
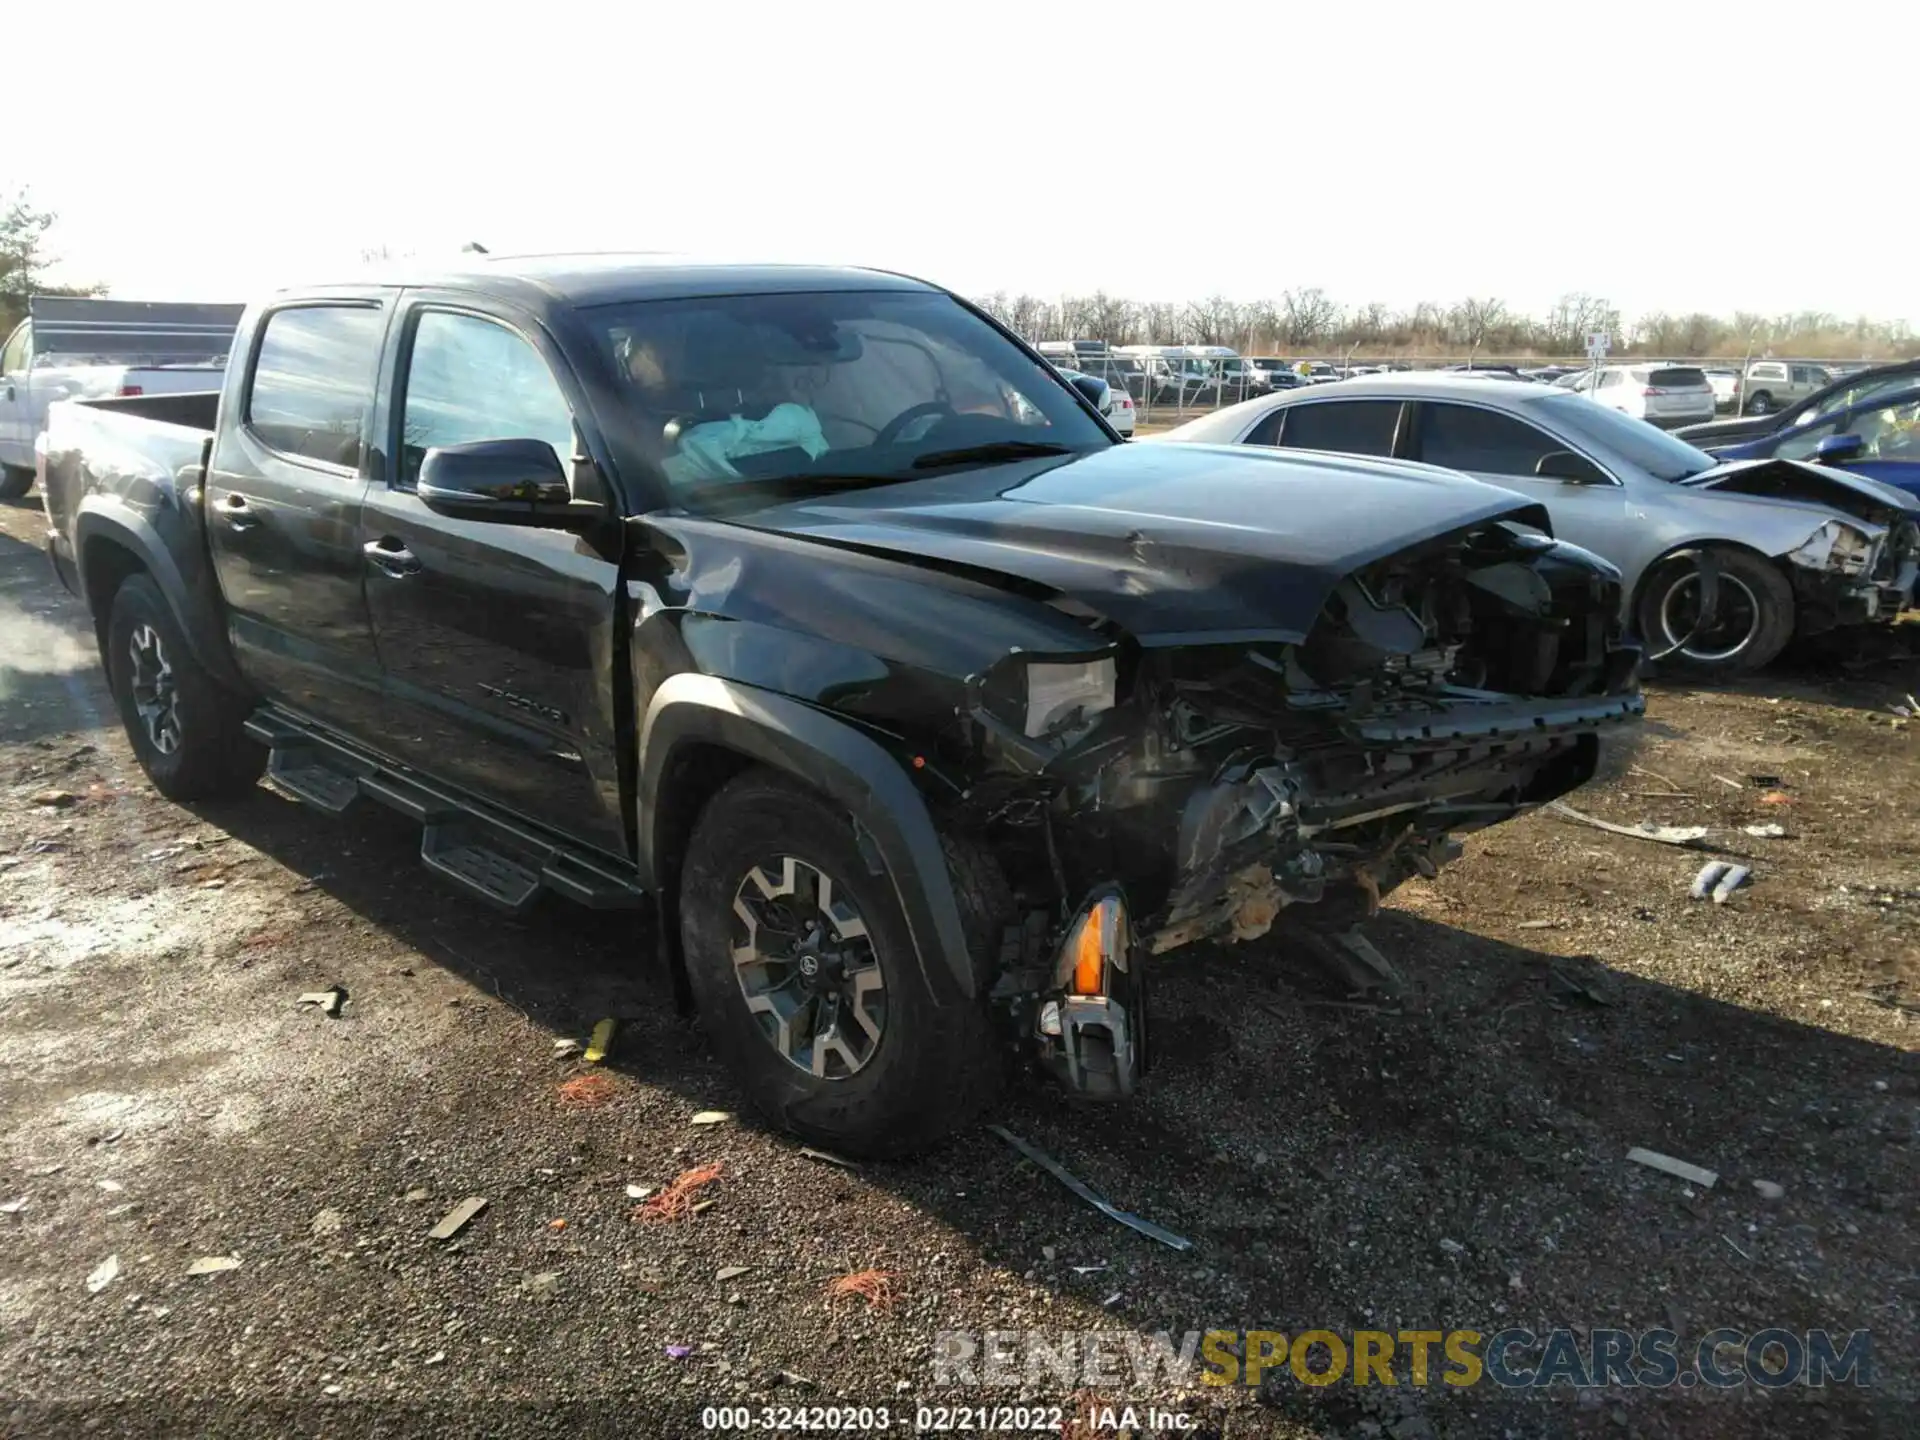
(1754, 614)
(931, 1069)
(1760, 404)
(210, 756)
(14, 482)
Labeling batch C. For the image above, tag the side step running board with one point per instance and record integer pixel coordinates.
(490, 856)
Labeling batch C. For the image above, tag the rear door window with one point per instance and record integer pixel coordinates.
(313, 381)
(1347, 427)
(1462, 437)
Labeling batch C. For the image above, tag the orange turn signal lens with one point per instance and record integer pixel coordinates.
(1096, 940)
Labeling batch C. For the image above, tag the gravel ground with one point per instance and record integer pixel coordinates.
(1455, 1162)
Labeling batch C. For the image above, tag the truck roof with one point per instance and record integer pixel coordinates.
(611, 278)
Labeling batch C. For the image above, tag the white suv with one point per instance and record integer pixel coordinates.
(1663, 395)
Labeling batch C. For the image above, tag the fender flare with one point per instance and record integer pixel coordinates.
(200, 620)
(828, 755)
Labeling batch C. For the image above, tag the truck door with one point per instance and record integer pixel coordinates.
(283, 508)
(16, 402)
(496, 640)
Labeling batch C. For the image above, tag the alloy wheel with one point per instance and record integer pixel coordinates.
(806, 967)
(154, 697)
(1736, 619)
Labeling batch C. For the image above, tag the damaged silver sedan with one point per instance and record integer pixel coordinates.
(1724, 563)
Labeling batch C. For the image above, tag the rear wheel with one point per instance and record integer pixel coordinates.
(1752, 621)
(14, 482)
(807, 980)
(1761, 404)
(187, 731)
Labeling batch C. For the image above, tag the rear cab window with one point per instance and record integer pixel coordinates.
(1346, 427)
(313, 378)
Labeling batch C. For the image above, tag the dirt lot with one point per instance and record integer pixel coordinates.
(1456, 1164)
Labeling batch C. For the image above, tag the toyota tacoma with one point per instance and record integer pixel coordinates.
(812, 609)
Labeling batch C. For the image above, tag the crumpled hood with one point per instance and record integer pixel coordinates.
(1799, 481)
(1178, 544)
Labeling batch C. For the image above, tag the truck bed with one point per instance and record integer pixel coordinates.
(138, 458)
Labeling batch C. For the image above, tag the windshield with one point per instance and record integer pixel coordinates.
(831, 389)
(1635, 441)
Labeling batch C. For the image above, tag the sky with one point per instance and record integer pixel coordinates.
(1677, 156)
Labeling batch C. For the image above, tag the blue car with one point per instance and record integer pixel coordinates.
(1878, 437)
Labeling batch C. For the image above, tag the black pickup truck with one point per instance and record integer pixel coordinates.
(816, 610)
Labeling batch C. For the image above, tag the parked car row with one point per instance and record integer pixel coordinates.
(1722, 561)
(807, 607)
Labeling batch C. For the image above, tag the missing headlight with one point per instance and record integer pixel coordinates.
(1057, 692)
(1836, 546)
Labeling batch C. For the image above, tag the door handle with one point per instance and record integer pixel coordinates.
(391, 557)
(237, 512)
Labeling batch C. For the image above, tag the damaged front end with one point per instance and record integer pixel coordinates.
(1853, 573)
(1150, 798)
(1856, 567)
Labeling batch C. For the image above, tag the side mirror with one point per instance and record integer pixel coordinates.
(511, 482)
(1093, 390)
(1573, 469)
(1839, 449)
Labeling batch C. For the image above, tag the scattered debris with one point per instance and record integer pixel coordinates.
(807, 1152)
(1542, 925)
(556, 1223)
(1776, 797)
(1111, 1300)
(417, 1194)
(104, 1274)
(213, 1264)
(1765, 832)
(788, 1377)
(639, 1192)
(679, 1352)
(1680, 1169)
(588, 1091)
(1708, 877)
(1080, 1188)
(1089, 1269)
(730, 1272)
(600, 1045)
(55, 799)
(565, 1049)
(455, 1220)
(1734, 784)
(1452, 1247)
(1736, 876)
(45, 1170)
(1688, 836)
(14, 1207)
(711, 1117)
(1561, 984)
(328, 1222)
(438, 1357)
(541, 1285)
(1765, 782)
(873, 1286)
(676, 1202)
(1768, 1190)
(329, 1000)
(1736, 1249)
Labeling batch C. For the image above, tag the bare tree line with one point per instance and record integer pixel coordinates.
(1309, 321)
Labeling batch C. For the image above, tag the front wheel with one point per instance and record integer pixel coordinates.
(1753, 614)
(14, 482)
(187, 730)
(807, 980)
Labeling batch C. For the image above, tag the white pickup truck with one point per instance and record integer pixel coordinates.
(75, 349)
